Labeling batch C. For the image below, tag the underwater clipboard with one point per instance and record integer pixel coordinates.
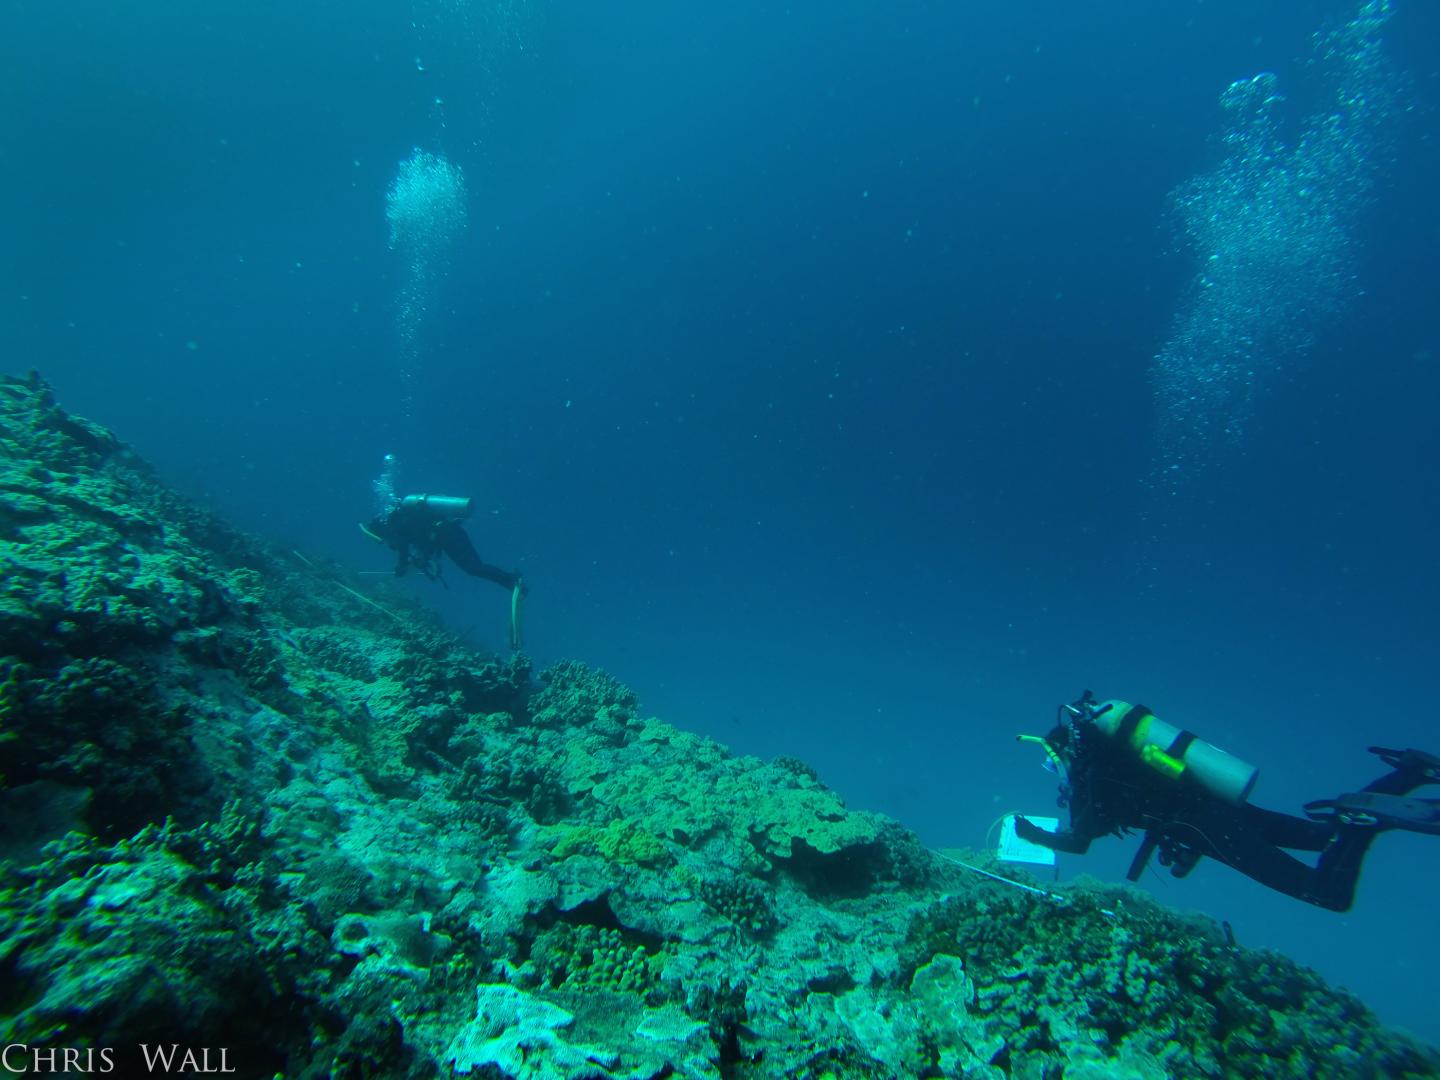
(1015, 849)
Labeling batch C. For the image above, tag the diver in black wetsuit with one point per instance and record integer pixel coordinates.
(1122, 770)
(420, 528)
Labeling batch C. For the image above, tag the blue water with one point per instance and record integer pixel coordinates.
(803, 357)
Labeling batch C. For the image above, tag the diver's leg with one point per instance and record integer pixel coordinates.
(1338, 871)
(1331, 882)
(1250, 838)
(456, 543)
(1288, 831)
(1237, 837)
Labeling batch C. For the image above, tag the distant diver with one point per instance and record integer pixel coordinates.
(1122, 769)
(420, 528)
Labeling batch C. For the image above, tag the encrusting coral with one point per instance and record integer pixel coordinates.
(251, 804)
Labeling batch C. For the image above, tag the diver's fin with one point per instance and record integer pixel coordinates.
(517, 595)
(1367, 808)
(1416, 762)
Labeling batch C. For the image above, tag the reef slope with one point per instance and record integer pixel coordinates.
(250, 803)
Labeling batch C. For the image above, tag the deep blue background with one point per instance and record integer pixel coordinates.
(798, 353)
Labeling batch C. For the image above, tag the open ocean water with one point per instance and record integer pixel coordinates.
(855, 380)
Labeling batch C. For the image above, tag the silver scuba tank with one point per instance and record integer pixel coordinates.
(442, 507)
(1174, 752)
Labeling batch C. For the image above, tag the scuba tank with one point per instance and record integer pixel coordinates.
(1173, 752)
(441, 507)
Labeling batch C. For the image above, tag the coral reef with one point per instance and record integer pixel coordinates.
(252, 802)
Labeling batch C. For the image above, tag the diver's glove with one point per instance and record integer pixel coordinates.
(1028, 830)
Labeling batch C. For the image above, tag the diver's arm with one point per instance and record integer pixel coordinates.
(389, 529)
(1065, 840)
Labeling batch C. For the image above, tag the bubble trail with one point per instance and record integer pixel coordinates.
(1273, 228)
(425, 207)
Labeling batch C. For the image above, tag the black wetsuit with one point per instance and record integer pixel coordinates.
(1111, 791)
(419, 537)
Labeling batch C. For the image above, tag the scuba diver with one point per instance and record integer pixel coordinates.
(420, 528)
(1122, 769)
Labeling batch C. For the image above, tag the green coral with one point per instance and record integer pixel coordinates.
(782, 819)
(526, 777)
(516, 1034)
(1109, 973)
(576, 695)
(743, 901)
(94, 721)
(622, 842)
(783, 815)
(132, 928)
(912, 1037)
(585, 957)
(13, 672)
(341, 651)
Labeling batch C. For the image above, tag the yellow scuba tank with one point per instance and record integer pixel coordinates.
(1174, 752)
